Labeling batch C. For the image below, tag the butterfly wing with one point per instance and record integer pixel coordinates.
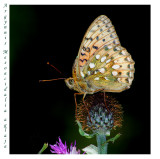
(101, 32)
(101, 60)
(113, 71)
(85, 50)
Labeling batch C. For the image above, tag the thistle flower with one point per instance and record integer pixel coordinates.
(100, 116)
(60, 148)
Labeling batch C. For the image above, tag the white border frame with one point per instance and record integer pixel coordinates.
(155, 54)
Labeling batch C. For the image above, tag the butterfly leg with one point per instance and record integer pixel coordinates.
(84, 94)
(76, 100)
(86, 107)
(104, 98)
(105, 102)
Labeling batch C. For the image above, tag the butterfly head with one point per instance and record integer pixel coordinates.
(70, 82)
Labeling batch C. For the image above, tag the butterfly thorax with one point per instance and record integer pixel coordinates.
(79, 85)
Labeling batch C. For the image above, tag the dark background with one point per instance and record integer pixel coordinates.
(41, 112)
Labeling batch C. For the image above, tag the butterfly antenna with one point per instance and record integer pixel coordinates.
(55, 68)
(52, 79)
(55, 78)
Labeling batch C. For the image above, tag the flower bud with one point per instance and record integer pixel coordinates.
(98, 114)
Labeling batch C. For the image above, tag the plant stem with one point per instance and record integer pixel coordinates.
(101, 144)
(43, 148)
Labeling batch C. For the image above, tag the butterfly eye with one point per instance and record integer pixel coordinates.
(71, 81)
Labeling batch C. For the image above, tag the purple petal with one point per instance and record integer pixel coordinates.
(75, 143)
(60, 148)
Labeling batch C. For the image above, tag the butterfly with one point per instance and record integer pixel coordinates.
(102, 64)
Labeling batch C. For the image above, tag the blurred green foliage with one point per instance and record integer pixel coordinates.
(22, 26)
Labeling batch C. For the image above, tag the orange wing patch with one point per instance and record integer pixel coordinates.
(100, 33)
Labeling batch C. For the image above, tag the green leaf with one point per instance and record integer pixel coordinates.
(108, 133)
(113, 139)
(43, 148)
(91, 149)
(82, 132)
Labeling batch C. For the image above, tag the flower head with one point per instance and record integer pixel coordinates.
(100, 116)
(60, 148)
